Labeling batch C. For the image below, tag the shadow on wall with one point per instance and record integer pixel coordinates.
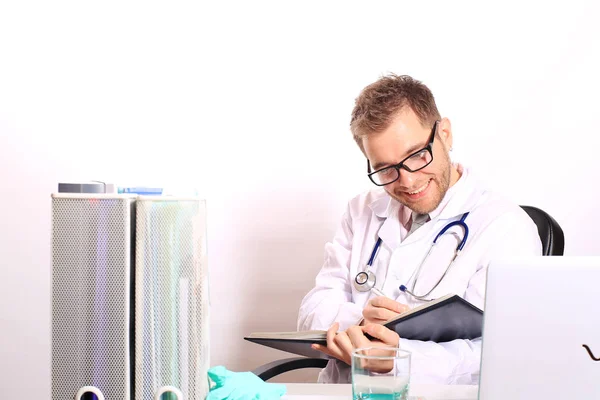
(278, 256)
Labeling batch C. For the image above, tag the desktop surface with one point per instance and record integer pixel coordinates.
(315, 391)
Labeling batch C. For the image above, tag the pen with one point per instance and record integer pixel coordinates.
(378, 292)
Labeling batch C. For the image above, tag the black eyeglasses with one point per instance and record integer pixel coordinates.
(414, 162)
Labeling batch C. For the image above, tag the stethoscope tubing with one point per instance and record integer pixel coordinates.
(369, 279)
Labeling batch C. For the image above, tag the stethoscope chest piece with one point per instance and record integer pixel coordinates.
(364, 281)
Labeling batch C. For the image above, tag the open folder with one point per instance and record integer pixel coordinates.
(441, 320)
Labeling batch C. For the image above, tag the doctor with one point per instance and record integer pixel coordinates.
(386, 233)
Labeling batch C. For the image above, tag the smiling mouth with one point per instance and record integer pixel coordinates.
(419, 190)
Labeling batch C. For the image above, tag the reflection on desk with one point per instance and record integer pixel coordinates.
(317, 391)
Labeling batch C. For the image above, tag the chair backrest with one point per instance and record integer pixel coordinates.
(551, 234)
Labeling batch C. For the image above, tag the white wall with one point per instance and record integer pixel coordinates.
(250, 102)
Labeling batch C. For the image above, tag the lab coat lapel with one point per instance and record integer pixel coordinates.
(386, 209)
(390, 232)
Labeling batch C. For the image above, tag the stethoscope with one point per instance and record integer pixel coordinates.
(365, 280)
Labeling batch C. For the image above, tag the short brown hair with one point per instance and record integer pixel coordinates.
(379, 103)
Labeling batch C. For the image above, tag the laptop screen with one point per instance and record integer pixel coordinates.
(541, 332)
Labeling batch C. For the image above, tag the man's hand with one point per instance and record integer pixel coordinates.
(341, 344)
(380, 309)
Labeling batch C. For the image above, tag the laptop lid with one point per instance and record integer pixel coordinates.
(541, 331)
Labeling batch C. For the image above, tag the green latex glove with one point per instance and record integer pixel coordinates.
(241, 386)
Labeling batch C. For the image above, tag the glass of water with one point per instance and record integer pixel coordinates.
(380, 373)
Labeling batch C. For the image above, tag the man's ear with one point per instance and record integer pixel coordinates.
(445, 132)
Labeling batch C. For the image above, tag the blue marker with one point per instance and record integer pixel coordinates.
(141, 190)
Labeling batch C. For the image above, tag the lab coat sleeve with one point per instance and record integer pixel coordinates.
(331, 299)
(458, 361)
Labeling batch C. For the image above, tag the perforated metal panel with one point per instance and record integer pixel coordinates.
(91, 305)
(172, 342)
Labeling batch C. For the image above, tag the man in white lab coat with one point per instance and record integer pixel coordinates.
(419, 191)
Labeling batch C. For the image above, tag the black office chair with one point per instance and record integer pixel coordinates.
(551, 234)
(553, 244)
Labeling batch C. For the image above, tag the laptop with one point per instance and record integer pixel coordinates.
(541, 329)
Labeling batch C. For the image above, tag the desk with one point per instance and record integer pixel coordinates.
(319, 391)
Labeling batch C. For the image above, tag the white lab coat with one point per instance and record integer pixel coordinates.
(497, 228)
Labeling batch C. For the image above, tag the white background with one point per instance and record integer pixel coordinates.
(250, 103)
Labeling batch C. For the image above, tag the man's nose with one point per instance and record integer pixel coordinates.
(406, 179)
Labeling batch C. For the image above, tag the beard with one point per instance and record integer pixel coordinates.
(438, 187)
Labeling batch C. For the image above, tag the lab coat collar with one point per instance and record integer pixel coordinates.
(462, 197)
(382, 205)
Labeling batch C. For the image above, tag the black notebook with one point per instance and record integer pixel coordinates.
(442, 320)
